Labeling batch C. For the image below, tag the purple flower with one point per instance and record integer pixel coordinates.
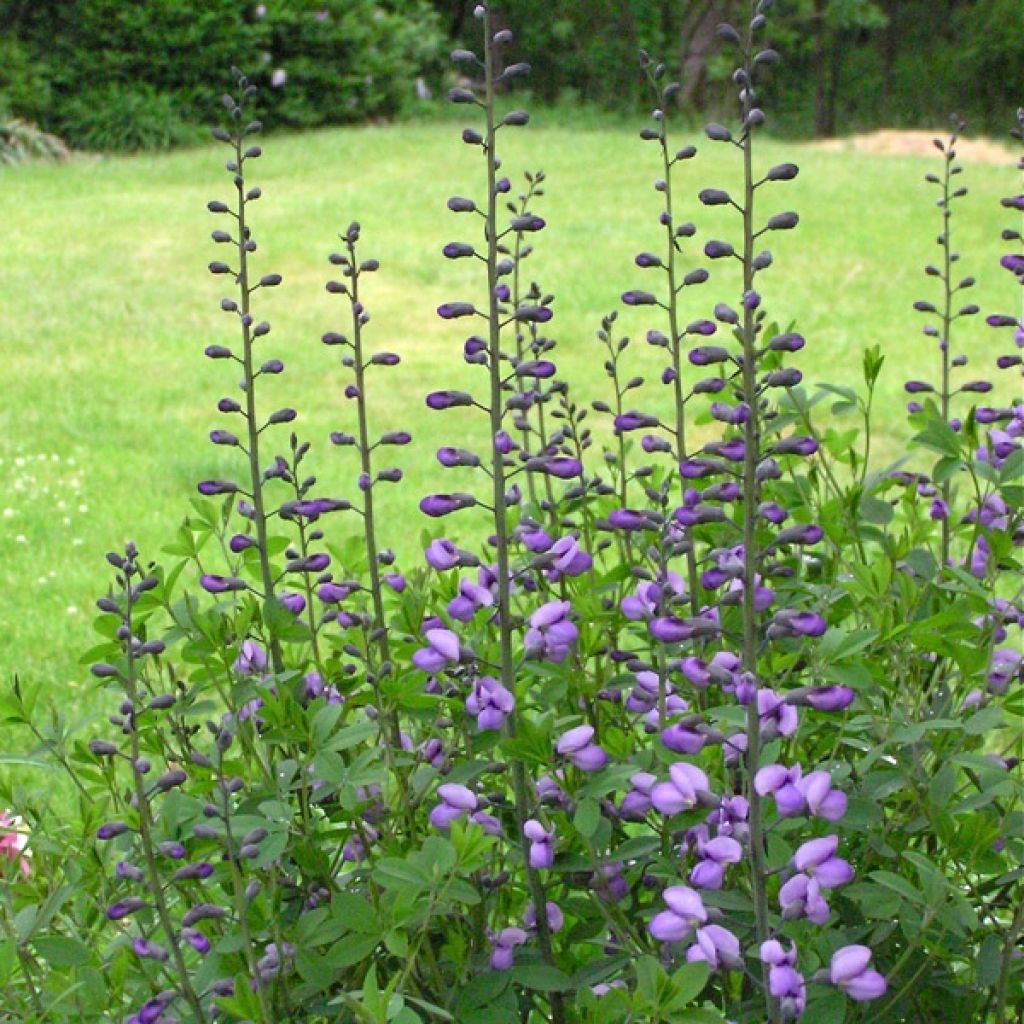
(456, 800)
(505, 943)
(333, 593)
(490, 702)
(785, 983)
(577, 747)
(637, 802)
(715, 855)
(819, 869)
(294, 603)
(716, 945)
(777, 718)
(630, 519)
(442, 649)
(551, 634)
(797, 794)
(442, 554)
(251, 660)
(569, 559)
(470, 597)
(1005, 665)
(652, 597)
(682, 791)
(553, 913)
(849, 972)
(830, 698)
(214, 584)
(685, 912)
(542, 852)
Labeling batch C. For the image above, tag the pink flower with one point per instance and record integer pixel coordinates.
(14, 841)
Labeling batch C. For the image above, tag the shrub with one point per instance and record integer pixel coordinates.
(125, 119)
(705, 727)
(334, 62)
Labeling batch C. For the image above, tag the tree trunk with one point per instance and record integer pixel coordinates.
(697, 42)
(821, 71)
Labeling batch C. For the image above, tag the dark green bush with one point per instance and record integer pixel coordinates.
(127, 118)
(107, 60)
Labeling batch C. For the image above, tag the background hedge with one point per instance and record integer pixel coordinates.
(112, 74)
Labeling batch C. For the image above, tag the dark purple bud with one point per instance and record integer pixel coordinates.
(637, 298)
(718, 133)
(122, 908)
(702, 327)
(706, 355)
(714, 197)
(437, 505)
(786, 343)
(448, 399)
(783, 172)
(783, 221)
(210, 488)
(716, 250)
(516, 118)
(454, 310)
(647, 259)
(217, 352)
(795, 446)
(214, 584)
(458, 250)
(917, 387)
(533, 314)
(111, 830)
(698, 276)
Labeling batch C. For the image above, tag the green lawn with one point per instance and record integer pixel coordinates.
(107, 307)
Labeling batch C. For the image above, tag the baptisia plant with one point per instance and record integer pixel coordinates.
(707, 729)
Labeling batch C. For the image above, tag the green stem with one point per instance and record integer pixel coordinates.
(752, 443)
(504, 610)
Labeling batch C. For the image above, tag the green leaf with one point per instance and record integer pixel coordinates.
(481, 990)
(350, 950)
(541, 978)
(62, 950)
(989, 961)
(649, 979)
(898, 884)
(400, 876)
(922, 563)
(829, 1008)
(876, 511)
(587, 817)
(984, 720)
(688, 982)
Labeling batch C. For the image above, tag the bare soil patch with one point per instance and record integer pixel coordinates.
(890, 142)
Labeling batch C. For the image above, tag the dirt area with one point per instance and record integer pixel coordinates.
(918, 143)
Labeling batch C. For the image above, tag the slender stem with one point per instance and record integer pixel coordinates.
(504, 610)
(369, 523)
(675, 339)
(255, 473)
(947, 319)
(752, 444)
(145, 835)
(22, 954)
(1009, 945)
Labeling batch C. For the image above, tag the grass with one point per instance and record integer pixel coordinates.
(107, 308)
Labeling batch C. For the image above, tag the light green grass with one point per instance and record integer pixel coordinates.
(106, 308)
